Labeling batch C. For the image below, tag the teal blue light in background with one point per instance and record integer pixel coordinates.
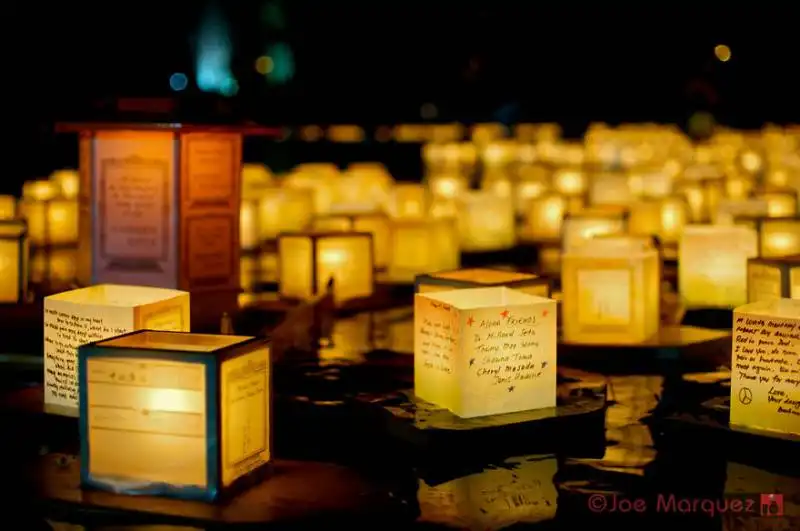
(214, 51)
(283, 63)
(178, 81)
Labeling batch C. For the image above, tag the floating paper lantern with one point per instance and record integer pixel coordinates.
(570, 182)
(174, 414)
(55, 268)
(320, 178)
(712, 265)
(248, 217)
(481, 278)
(8, 207)
(447, 186)
(68, 181)
(780, 203)
(664, 218)
(532, 181)
(52, 222)
(408, 200)
(729, 209)
(309, 261)
(764, 368)
(610, 188)
(486, 222)
(485, 351)
(378, 225)
(611, 291)
(545, 217)
(422, 246)
(586, 224)
(255, 175)
(80, 316)
(13, 262)
(778, 236)
(773, 278)
(702, 196)
(649, 182)
(40, 190)
(363, 187)
(284, 210)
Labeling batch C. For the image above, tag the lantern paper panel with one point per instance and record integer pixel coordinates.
(712, 265)
(378, 225)
(486, 222)
(765, 372)
(55, 268)
(308, 262)
(485, 351)
(13, 262)
(728, 210)
(68, 181)
(778, 237)
(545, 217)
(284, 210)
(610, 188)
(8, 207)
(408, 200)
(42, 190)
(422, 246)
(779, 203)
(611, 292)
(174, 414)
(80, 316)
(481, 277)
(445, 186)
(773, 278)
(664, 218)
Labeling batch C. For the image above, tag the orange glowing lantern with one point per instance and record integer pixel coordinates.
(408, 200)
(378, 225)
(8, 207)
(664, 218)
(544, 218)
(778, 237)
(483, 278)
(13, 262)
(422, 246)
(159, 206)
(780, 202)
(586, 224)
(309, 262)
(773, 278)
(486, 222)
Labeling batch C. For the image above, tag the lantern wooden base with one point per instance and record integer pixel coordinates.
(703, 431)
(714, 318)
(428, 433)
(686, 347)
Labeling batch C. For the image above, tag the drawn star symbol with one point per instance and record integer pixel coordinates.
(472, 362)
(504, 314)
(544, 313)
(511, 389)
(470, 320)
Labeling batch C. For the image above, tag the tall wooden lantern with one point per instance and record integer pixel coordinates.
(159, 206)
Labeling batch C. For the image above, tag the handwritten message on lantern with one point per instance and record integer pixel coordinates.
(765, 371)
(485, 351)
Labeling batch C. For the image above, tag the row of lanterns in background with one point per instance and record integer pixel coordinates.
(736, 194)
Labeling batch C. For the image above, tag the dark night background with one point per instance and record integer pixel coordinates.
(373, 62)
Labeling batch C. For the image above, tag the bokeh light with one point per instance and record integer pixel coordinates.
(723, 52)
(178, 81)
(264, 65)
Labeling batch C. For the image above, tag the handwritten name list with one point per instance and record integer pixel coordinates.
(765, 390)
(64, 332)
(438, 342)
(505, 349)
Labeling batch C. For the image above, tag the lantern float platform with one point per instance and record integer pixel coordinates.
(576, 426)
(705, 429)
(715, 318)
(303, 494)
(684, 347)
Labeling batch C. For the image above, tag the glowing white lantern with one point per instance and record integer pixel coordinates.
(422, 246)
(486, 222)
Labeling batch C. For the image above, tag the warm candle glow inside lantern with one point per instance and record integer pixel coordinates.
(13, 261)
(780, 203)
(764, 394)
(174, 414)
(587, 224)
(533, 181)
(447, 186)
(284, 210)
(712, 265)
(248, 217)
(422, 246)
(481, 278)
(8, 207)
(486, 222)
(464, 360)
(664, 218)
(320, 179)
(650, 182)
(51, 222)
(779, 237)
(55, 268)
(570, 181)
(738, 186)
(773, 278)
(255, 175)
(729, 209)
(68, 182)
(702, 197)
(40, 190)
(308, 261)
(363, 187)
(80, 316)
(545, 218)
(378, 225)
(611, 291)
(408, 200)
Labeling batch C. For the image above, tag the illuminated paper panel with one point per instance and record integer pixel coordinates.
(151, 422)
(481, 277)
(422, 246)
(53, 222)
(13, 262)
(378, 225)
(545, 218)
(8, 207)
(712, 265)
(485, 351)
(779, 237)
(611, 292)
(772, 278)
(77, 317)
(765, 367)
(582, 227)
(486, 222)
